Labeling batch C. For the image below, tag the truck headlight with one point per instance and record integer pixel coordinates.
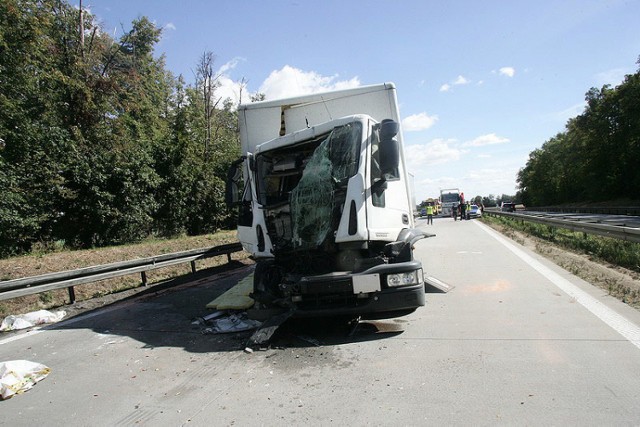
(404, 279)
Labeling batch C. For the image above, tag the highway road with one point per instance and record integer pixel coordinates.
(517, 341)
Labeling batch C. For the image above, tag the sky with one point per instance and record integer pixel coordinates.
(480, 84)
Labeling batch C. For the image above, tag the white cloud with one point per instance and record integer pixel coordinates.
(417, 122)
(228, 88)
(507, 71)
(170, 26)
(225, 68)
(489, 139)
(435, 152)
(493, 178)
(484, 156)
(290, 81)
(461, 80)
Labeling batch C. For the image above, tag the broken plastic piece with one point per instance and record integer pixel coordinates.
(431, 284)
(268, 328)
(230, 324)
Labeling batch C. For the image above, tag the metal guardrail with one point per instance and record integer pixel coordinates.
(600, 210)
(68, 279)
(614, 231)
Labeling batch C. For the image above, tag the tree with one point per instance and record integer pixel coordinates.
(207, 81)
(99, 143)
(595, 159)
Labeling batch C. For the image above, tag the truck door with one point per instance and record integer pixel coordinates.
(388, 210)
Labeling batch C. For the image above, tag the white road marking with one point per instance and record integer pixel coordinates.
(19, 336)
(619, 323)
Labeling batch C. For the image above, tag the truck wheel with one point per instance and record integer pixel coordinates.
(266, 279)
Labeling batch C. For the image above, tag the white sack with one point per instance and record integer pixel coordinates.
(23, 321)
(18, 376)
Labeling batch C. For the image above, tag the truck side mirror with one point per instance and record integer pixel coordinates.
(232, 188)
(389, 149)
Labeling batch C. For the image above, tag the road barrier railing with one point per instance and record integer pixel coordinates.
(600, 210)
(68, 279)
(621, 232)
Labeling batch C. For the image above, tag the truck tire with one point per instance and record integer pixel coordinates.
(266, 278)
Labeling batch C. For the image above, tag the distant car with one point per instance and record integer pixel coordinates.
(474, 212)
(508, 207)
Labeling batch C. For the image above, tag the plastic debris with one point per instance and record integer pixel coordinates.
(230, 324)
(28, 320)
(18, 376)
(200, 321)
(268, 328)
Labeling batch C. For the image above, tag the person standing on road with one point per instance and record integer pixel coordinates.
(429, 214)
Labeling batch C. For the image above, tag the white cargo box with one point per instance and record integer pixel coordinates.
(263, 121)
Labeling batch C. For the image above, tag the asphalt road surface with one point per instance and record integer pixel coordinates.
(518, 341)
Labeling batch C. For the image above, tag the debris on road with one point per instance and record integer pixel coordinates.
(18, 376)
(431, 284)
(235, 322)
(201, 321)
(236, 298)
(28, 320)
(268, 328)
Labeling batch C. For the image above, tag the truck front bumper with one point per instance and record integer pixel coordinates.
(365, 294)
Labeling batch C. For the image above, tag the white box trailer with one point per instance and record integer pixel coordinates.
(450, 200)
(326, 208)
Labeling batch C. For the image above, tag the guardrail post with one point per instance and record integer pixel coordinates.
(193, 267)
(144, 278)
(72, 295)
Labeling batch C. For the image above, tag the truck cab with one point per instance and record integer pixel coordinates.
(325, 211)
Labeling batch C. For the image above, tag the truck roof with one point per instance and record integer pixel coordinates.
(306, 134)
(266, 120)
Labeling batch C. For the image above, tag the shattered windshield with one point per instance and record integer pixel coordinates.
(306, 177)
(328, 169)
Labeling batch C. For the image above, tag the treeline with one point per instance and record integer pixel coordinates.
(99, 143)
(596, 158)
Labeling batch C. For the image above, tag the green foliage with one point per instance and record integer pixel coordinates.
(595, 158)
(99, 143)
(615, 251)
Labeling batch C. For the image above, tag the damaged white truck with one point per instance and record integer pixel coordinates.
(325, 205)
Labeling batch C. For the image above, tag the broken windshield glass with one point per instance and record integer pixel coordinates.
(328, 170)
